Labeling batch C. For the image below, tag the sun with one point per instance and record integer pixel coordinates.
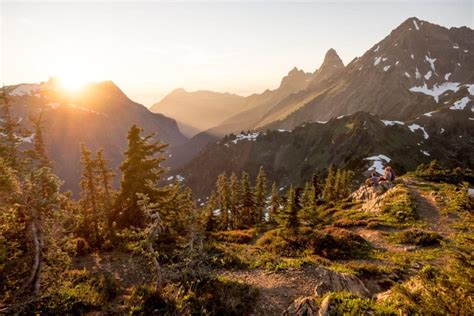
(73, 75)
(72, 82)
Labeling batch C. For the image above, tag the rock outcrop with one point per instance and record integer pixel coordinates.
(330, 281)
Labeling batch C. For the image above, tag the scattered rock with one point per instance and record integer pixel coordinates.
(325, 309)
(303, 306)
(372, 198)
(332, 281)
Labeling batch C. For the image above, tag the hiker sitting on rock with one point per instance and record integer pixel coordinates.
(373, 180)
(387, 178)
(388, 174)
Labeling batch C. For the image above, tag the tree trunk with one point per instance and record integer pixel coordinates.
(159, 278)
(38, 245)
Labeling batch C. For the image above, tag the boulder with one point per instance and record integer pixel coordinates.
(302, 306)
(326, 305)
(332, 281)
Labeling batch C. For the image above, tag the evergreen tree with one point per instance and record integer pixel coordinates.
(106, 191)
(39, 150)
(90, 191)
(309, 211)
(347, 181)
(274, 204)
(248, 205)
(210, 219)
(316, 188)
(339, 184)
(141, 171)
(260, 195)
(10, 131)
(289, 217)
(234, 200)
(40, 195)
(223, 196)
(328, 192)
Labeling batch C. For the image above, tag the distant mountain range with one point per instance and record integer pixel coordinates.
(361, 142)
(399, 78)
(200, 110)
(99, 117)
(408, 99)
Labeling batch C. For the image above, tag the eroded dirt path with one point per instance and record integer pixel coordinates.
(377, 239)
(277, 290)
(428, 211)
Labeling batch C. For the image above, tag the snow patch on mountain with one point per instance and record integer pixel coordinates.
(391, 123)
(416, 25)
(249, 137)
(378, 162)
(460, 104)
(425, 153)
(377, 60)
(428, 75)
(437, 90)
(446, 76)
(470, 88)
(429, 114)
(25, 89)
(431, 61)
(386, 68)
(417, 74)
(377, 49)
(414, 127)
(407, 75)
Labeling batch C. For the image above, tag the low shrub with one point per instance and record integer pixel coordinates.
(345, 303)
(436, 173)
(416, 237)
(330, 243)
(398, 205)
(216, 296)
(235, 236)
(145, 300)
(338, 243)
(347, 222)
(278, 241)
(81, 292)
(221, 256)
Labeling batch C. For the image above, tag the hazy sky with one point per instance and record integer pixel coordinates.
(150, 48)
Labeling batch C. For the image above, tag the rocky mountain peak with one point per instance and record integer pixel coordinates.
(332, 59)
(332, 64)
(295, 78)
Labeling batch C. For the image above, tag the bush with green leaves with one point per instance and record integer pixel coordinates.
(399, 206)
(416, 237)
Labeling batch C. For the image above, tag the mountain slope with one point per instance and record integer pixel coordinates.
(262, 108)
(359, 142)
(99, 116)
(200, 110)
(398, 78)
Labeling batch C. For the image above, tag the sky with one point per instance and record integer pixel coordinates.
(151, 48)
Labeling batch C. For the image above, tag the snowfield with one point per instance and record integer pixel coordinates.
(249, 137)
(391, 123)
(378, 163)
(25, 89)
(460, 104)
(436, 91)
(415, 127)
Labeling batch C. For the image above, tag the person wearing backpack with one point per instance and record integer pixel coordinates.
(388, 177)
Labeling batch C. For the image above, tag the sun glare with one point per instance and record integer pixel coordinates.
(72, 82)
(73, 74)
